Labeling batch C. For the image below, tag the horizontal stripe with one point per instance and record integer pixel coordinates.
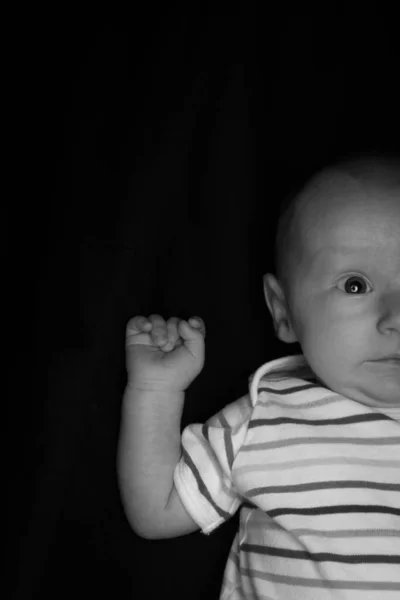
(288, 390)
(388, 559)
(260, 519)
(267, 402)
(314, 462)
(335, 584)
(345, 533)
(365, 418)
(322, 485)
(202, 487)
(369, 441)
(334, 510)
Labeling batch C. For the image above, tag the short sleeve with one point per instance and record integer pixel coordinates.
(202, 477)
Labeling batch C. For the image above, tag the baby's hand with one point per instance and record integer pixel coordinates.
(164, 356)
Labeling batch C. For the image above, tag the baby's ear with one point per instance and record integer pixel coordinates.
(277, 306)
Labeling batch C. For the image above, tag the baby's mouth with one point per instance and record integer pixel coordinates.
(391, 360)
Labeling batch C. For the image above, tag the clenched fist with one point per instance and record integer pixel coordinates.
(164, 356)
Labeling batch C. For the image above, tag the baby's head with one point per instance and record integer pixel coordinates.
(337, 284)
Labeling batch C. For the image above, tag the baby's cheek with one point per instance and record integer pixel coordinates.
(321, 350)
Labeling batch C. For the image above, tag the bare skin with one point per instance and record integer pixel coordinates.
(344, 302)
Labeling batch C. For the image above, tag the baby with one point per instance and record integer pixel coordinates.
(312, 453)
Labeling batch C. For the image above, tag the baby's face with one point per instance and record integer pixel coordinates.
(345, 300)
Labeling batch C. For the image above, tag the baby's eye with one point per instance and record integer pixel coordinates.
(354, 285)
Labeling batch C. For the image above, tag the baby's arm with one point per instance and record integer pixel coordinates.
(162, 359)
(149, 450)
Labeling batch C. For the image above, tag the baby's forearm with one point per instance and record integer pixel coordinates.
(148, 451)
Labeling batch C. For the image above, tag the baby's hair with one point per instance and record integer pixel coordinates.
(381, 168)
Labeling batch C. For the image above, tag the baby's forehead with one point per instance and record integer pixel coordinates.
(336, 189)
(337, 207)
(341, 193)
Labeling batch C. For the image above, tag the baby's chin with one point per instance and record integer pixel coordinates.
(376, 393)
(380, 403)
(374, 398)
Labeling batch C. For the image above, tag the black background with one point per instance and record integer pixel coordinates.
(152, 151)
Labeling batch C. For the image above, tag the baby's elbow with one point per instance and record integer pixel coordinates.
(144, 525)
(141, 526)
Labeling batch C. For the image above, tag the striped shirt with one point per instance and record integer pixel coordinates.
(317, 477)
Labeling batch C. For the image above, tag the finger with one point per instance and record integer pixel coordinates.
(136, 325)
(172, 332)
(159, 329)
(198, 323)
